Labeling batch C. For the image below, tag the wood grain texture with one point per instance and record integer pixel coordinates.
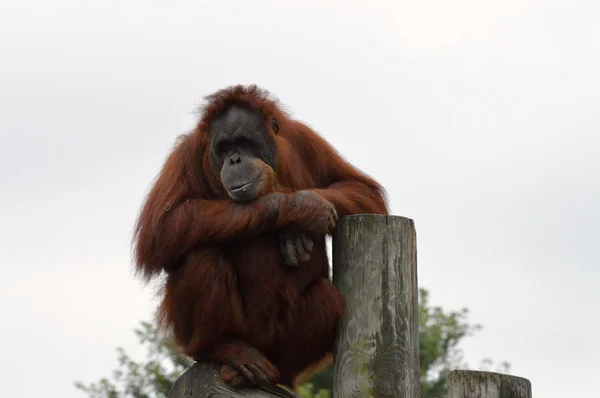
(375, 268)
(203, 381)
(474, 384)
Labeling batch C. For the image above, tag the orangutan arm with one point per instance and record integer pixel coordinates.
(197, 221)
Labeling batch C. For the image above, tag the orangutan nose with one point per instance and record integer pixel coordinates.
(235, 159)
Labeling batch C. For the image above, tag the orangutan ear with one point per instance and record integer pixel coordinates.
(275, 125)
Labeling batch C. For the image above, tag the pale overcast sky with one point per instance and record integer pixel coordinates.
(480, 118)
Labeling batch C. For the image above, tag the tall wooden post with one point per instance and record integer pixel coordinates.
(375, 268)
(474, 384)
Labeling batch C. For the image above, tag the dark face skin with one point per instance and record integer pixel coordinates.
(241, 153)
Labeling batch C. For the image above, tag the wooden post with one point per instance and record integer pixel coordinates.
(202, 381)
(375, 268)
(474, 384)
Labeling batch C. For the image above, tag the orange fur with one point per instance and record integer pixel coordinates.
(226, 277)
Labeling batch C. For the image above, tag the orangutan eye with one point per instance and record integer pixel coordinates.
(223, 147)
(275, 125)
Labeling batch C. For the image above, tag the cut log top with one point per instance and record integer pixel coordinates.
(202, 381)
(475, 384)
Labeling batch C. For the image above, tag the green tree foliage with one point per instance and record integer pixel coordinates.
(150, 378)
(439, 336)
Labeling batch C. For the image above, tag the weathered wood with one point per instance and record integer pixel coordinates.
(375, 268)
(475, 384)
(203, 381)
